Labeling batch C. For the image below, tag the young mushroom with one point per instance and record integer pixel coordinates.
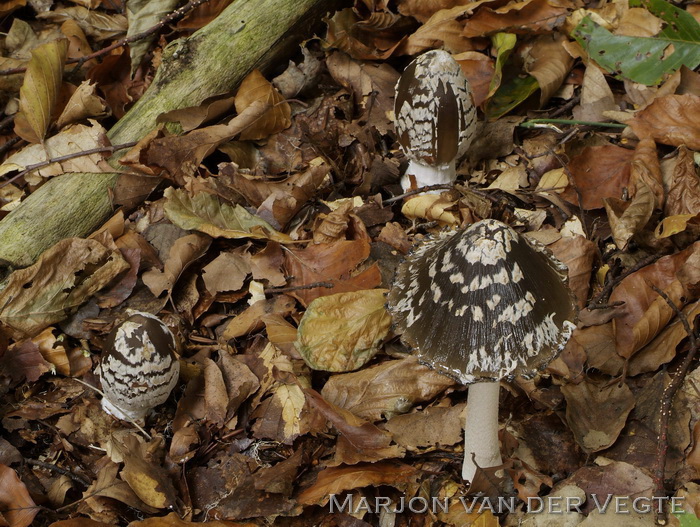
(139, 368)
(480, 305)
(435, 118)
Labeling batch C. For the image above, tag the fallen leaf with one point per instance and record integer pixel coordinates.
(431, 207)
(549, 63)
(684, 187)
(65, 276)
(205, 213)
(84, 103)
(40, 90)
(16, 505)
(182, 253)
(598, 172)
(256, 88)
(671, 120)
(528, 16)
(637, 323)
(596, 97)
(596, 413)
(251, 319)
(336, 263)
(227, 272)
(433, 427)
(628, 218)
(333, 481)
(386, 389)
(341, 332)
(281, 417)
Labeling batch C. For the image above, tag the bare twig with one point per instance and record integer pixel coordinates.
(417, 191)
(55, 468)
(30, 168)
(172, 17)
(669, 394)
(277, 290)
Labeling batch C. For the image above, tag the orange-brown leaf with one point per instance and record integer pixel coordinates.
(16, 506)
(672, 119)
(256, 88)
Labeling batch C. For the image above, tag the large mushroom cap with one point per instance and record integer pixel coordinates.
(435, 114)
(482, 304)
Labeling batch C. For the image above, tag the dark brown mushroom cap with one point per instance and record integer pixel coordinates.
(435, 115)
(482, 303)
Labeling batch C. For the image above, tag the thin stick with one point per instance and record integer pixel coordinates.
(669, 394)
(277, 290)
(534, 123)
(175, 15)
(417, 191)
(35, 166)
(55, 468)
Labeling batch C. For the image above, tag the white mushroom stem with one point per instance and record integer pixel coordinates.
(481, 429)
(426, 175)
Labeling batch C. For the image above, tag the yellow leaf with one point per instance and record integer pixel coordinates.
(39, 92)
(341, 332)
(674, 224)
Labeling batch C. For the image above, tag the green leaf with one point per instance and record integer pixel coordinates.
(644, 59)
(503, 44)
(687, 519)
(510, 95)
(205, 213)
(341, 332)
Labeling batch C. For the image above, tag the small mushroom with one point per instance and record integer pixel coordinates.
(480, 305)
(435, 118)
(139, 368)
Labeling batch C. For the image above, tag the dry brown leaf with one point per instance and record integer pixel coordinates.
(663, 347)
(646, 168)
(182, 253)
(578, 254)
(227, 272)
(171, 520)
(362, 39)
(149, 481)
(528, 16)
(599, 172)
(684, 188)
(597, 413)
(596, 96)
(279, 201)
(23, 360)
(336, 480)
(254, 89)
(71, 140)
(94, 23)
(65, 276)
(40, 90)
(433, 427)
(252, 318)
(283, 416)
(672, 120)
(638, 22)
(335, 263)
(181, 155)
(83, 103)
(444, 29)
(549, 63)
(16, 505)
(637, 324)
(431, 207)
(108, 485)
(628, 218)
(386, 389)
(267, 265)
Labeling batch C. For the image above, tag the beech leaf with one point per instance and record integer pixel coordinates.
(341, 332)
(40, 89)
(205, 213)
(255, 88)
(65, 276)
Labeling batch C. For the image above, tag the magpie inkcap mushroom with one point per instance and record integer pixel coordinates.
(480, 305)
(139, 367)
(435, 118)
